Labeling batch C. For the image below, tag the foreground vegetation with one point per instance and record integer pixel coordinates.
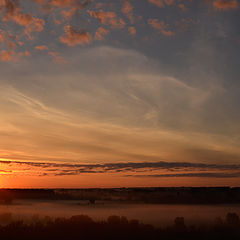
(83, 227)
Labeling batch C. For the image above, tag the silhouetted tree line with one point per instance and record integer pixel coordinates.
(182, 195)
(115, 227)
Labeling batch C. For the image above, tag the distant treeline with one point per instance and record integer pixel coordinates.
(118, 228)
(204, 195)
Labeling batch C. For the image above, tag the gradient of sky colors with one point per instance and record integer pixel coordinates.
(118, 93)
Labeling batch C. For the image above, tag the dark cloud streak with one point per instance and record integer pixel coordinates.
(182, 169)
(201, 175)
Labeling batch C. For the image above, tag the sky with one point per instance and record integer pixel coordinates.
(119, 93)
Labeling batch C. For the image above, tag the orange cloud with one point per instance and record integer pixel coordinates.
(4, 38)
(132, 31)
(69, 3)
(68, 14)
(13, 13)
(57, 58)
(169, 2)
(127, 9)
(8, 56)
(12, 56)
(74, 37)
(158, 3)
(40, 1)
(183, 7)
(161, 3)
(102, 16)
(41, 47)
(225, 4)
(99, 35)
(117, 23)
(73, 5)
(32, 24)
(108, 18)
(26, 53)
(160, 26)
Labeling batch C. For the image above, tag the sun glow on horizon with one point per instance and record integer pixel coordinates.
(119, 93)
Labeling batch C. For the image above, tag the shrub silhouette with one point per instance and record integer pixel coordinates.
(179, 224)
(116, 227)
(232, 219)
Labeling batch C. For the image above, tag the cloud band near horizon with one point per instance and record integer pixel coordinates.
(129, 169)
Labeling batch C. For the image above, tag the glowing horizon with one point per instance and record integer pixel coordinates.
(119, 93)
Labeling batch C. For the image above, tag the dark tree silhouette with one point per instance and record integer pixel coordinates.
(117, 228)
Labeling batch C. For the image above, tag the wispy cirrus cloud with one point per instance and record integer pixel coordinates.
(125, 112)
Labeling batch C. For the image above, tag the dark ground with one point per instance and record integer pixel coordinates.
(204, 195)
(83, 227)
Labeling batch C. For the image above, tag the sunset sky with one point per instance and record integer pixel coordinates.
(119, 93)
